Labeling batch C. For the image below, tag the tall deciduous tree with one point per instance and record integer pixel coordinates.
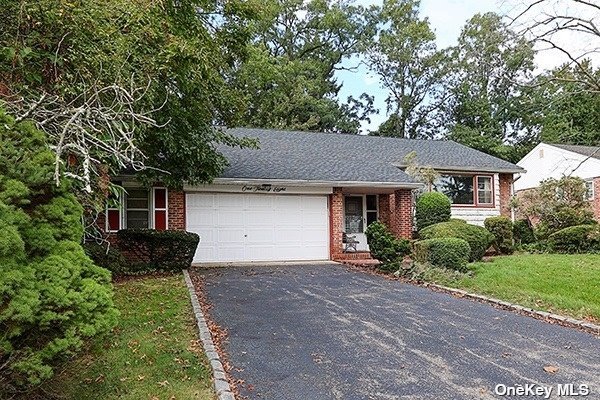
(288, 80)
(405, 57)
(568, 112)
(488, 106)
(178, 52)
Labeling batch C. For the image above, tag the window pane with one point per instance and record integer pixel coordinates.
(371, 202)
(160, 198)
(484, 197)
(137, 198)
(371, 217)
(137, 219)
(589, 186)
(114, 220)
(484, 193)
(458, 188)
(160, 220)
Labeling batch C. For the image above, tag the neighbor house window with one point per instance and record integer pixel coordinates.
(466, 189)
(589, 190)
(137, 208)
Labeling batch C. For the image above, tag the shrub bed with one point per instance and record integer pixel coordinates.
(431, 208)
(502, 229)
(451, 253)
(384, 246)
(576, 239)
(478, 237)
(522, 232)
(147, 250)
(106, 256)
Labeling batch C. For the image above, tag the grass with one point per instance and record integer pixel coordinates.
(153, 352)
(564, 284)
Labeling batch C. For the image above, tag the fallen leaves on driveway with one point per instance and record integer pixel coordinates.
(551, 369)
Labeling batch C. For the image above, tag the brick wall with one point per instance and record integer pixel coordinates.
(384, 208)
(176, 209)
(401, 213)
(336, 222)
(505, 182)
(596, 201)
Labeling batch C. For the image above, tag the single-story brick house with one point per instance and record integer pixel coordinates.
(547, 160)
(293, 198)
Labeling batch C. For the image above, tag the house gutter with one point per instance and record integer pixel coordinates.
(447, 168)
(316, 183)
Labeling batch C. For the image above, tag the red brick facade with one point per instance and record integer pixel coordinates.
(596, 201)
(336, 222)
(401, 214)
(176, 210)
(506, 181)
(395, 210)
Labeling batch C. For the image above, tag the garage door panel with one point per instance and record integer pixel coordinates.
(259, 218)
(229, 217)
(205, 201)
(235, 235)
(234, 201)
(260, 235)
(237, 227)
(202, 217)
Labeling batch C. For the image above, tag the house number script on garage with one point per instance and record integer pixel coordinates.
(263, 188)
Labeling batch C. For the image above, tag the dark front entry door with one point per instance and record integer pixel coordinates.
(353, 214)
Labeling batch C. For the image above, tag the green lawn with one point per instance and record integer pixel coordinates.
(153, 353)
(565, 284)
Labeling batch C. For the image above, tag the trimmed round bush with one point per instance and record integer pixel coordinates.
(576, 239)
(478, 237)
(522, 232)
(147, 250)
(384, 246)
(502, 229)
(451, 253)
(432, 208)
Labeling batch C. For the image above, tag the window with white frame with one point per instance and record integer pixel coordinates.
(469, 190)
(137, 207)
(589, 190)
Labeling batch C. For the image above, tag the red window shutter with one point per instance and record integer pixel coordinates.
(160, 198)
(160, 220)
(114, 220)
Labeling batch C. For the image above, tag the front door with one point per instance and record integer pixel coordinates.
(354, 220)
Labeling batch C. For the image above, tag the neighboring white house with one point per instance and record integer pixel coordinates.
(558, 160)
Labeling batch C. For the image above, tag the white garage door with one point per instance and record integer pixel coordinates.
(258, 227)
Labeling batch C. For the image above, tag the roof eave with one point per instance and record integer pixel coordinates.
(317, 183)
(447, 168)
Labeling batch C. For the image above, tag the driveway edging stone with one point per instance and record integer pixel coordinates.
(221, 384)
(581, 324)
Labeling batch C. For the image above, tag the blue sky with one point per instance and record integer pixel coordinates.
(447, 17)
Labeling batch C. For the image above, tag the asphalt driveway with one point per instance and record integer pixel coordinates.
(329, 332)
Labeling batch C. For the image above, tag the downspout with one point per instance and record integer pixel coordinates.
(512, 194)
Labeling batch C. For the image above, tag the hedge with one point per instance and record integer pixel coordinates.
(502, 229)
(478, 237)
(432, 208)
(147, 250)
(522, 232)
(576, 239)
(106, 256)
(383, 245)
(451, 253)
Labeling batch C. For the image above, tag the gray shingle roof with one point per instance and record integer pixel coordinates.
(289, 155)
(589, 151)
